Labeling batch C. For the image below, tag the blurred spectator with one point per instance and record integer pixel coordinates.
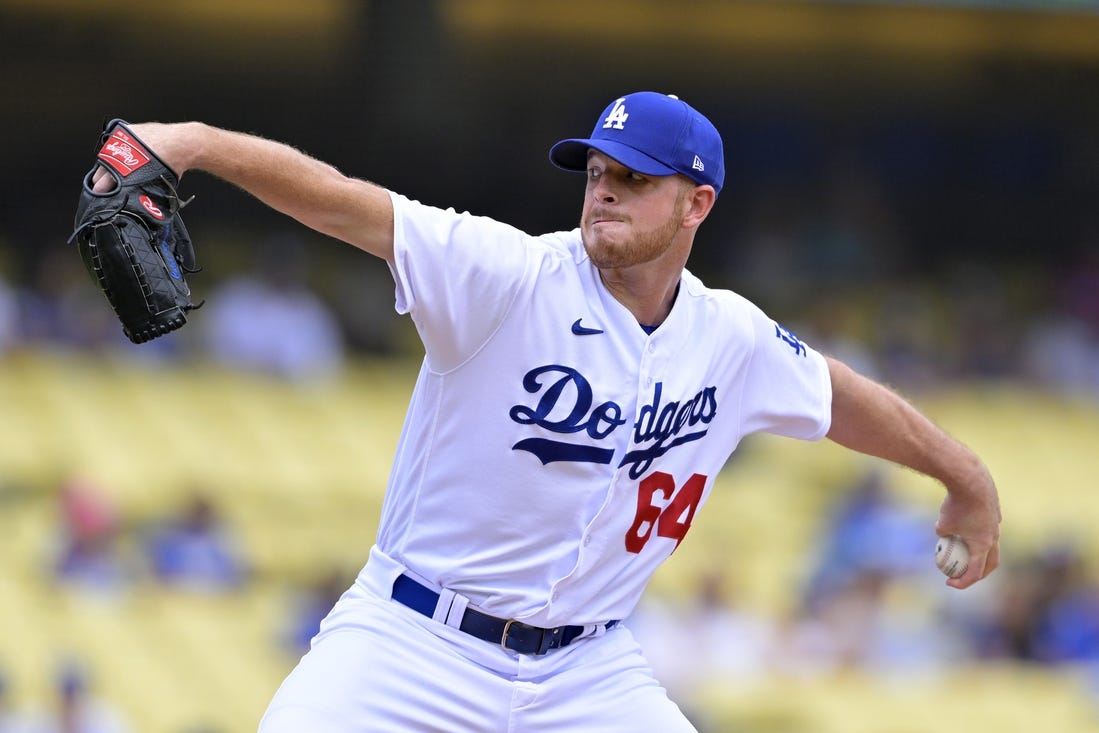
(835, 633)
(62, 307)
(1048, 612)
(1068, 631)
(1062, 347)
(837, 326)
(984, 329)
(269, 322)
(869, 532)
(310, 608)
(196, 550)
(1079, 288)
(909, 340)
(861, 606)
(90, 556)
(76, 709)
(1062, 354)
(1005, 629)
(703, 638)
(9, 317)
(853, 237)
(9, 721)
(361, 293)
(876, 622)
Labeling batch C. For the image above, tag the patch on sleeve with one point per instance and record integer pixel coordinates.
(793, 341)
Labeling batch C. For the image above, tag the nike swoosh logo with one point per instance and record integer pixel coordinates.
(583, 330)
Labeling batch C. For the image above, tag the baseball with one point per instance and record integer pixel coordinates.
(952, 556)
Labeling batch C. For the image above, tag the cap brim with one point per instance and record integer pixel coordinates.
(572, 155)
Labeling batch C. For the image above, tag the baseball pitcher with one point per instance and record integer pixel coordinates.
(579, 394)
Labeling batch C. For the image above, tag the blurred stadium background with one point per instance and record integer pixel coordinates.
(912, 186)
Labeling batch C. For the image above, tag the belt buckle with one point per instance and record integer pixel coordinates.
(544, 638)
(547, 638)
(504, 637)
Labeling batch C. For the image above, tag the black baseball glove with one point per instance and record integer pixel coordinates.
(132, 239)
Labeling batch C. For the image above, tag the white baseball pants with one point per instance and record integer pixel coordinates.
(379, 667)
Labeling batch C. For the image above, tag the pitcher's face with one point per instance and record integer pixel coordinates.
(629, 218)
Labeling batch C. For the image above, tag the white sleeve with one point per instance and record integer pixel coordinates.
(456, 274)
(787, 389)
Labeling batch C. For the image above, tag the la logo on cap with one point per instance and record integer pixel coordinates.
(618, 116)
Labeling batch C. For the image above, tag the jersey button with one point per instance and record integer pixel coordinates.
(587, 540)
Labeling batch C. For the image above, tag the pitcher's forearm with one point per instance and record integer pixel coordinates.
(286, 179)
(869, 418)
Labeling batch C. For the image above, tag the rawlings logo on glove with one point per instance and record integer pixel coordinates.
(132, 240)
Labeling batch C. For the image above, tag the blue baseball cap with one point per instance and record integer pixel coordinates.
(654, 134)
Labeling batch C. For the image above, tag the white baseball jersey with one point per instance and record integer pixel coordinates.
(554, 453)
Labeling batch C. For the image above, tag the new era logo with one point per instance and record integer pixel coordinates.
(697, 164)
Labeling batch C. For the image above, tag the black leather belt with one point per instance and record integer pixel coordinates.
(510, 634)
